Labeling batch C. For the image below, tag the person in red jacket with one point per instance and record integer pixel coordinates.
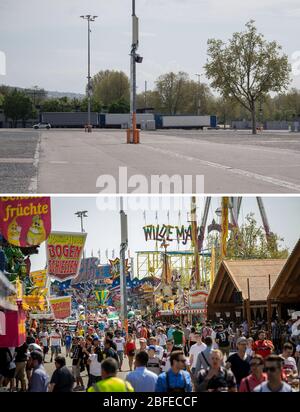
(263, 346)
(130, 349)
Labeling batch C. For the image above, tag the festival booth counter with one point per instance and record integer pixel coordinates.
(183, 314)
(12, 316)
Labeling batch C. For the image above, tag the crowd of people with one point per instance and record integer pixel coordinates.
(160, 357)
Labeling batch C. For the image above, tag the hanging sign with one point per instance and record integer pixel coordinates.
(25, 221)
(64, 251)
(39, 278)
(61, 306)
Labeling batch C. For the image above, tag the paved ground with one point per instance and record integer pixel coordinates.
(18, 160)
(50, 367)
(71, 161)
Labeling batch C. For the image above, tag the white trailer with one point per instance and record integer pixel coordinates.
(186, 121)
(123, 120)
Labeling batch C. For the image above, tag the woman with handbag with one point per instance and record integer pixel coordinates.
(130, 349)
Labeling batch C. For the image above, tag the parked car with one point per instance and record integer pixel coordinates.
(42, 126)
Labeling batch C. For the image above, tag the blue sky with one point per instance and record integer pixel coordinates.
(103, 226)
(45, 40)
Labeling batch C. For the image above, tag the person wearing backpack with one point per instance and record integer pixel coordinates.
(176, 379)
(203, 357)
(216, 378)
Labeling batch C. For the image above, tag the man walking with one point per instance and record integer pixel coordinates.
(62, 379)
(239, 362)
(274, 383)
(39, 380)
(141, 379)
(176, 379)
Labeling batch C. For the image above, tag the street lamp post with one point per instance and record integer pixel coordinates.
(199, 84)
(123, 247)
(133, 134)
(89, 19)
(81, 214)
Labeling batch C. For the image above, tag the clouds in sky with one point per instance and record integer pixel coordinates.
(45, 41)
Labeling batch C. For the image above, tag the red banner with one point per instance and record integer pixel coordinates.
(61, 307)
(64, 252)
(25, 221)
(15, 333)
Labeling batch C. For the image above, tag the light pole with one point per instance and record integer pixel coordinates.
(89, 19)
(133, 134)
(81, 214)
(123, 247)
(199, 84)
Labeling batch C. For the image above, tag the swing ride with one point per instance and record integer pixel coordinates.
(186, 276)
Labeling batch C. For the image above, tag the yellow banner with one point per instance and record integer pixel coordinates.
(225, 204)
(39, 278)
(212, 266)
(34, 302)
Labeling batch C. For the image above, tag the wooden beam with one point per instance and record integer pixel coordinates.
(229, 292)
(225, 285)
(269, 315)
(217, 284)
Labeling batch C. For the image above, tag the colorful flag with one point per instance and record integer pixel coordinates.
(101, 296)
(64, 252)
(25, 221)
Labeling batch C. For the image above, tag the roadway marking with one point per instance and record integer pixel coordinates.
(12, 160)
(33, 186)
(251, 175)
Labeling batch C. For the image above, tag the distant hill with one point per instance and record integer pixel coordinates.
(51, 94)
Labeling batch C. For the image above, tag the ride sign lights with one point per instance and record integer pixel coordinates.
(169, 233)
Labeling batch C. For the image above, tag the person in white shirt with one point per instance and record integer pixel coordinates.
(249, 350)
(120, 344)
(289, 362)
(159, 351)
(95, 367)
(44, 338)
(55, 342)
(195, 349)
(161, 338)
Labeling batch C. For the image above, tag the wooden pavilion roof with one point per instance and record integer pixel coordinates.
(287, 286)
(233, 274)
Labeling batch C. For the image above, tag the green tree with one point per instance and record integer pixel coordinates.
(2, 97)
(110, 86)
(248, 68)
(120, 106)
(17, 106)
(249, 242)
(171, 90)
(62, 104)
(38, 95)
(96, 106)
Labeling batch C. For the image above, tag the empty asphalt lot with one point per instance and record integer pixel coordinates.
(71, 161)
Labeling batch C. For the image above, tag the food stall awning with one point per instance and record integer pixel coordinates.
(190, 311)
(6, 290)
